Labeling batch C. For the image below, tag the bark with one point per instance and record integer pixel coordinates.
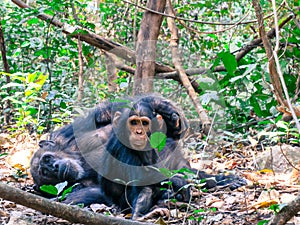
(7, 104)
(286, 213)
(146, 47)
(182, 75)
(111, 72)
(269, 51)
(74, 214)
(80, 74)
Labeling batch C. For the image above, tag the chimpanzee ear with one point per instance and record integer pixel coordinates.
(45, 143)
(160, 121)
(116, 119)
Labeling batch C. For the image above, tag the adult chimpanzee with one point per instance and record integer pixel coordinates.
(113, 141)
(59, 159)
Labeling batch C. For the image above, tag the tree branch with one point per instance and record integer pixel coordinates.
(286, 213)
(95, 40)
(74, 214)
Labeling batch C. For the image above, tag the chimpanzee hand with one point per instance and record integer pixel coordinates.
(231, 181)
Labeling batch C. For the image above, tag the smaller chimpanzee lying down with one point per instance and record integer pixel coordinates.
(119, 154)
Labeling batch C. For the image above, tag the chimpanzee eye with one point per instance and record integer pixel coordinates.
(145, 123)
(133, 122)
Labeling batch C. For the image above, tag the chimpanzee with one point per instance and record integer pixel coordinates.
(110, 154)
(133, 179)
(59, 159)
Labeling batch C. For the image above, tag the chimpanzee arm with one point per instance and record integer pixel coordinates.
(220, 180)
(176, 123)
(105, 110)
(142, 202)
(87, 196)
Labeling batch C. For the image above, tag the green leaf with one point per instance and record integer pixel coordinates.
(256, 106)
(31, 77)
(41, 79)
(17, 52)
(262, 222)
(25, 44)
(3, 154)
(50, 189)
(67, 191)
(282, 124)
(158, 140)
(229, 62)
(166, 172)
(31, 111)
(33, 21)
(63, 105)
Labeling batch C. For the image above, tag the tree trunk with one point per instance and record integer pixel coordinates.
(146, 47)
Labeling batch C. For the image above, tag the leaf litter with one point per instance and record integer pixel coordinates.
(272, 175)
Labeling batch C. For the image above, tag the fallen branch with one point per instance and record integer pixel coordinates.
(74, 214)
(286, 213)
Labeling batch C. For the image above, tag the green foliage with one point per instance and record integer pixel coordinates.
(275, 208)
(59, 189)
(284, 132)
(3, 154)
(35, 47)
(262, 222)
(199, 214)
(158, 140)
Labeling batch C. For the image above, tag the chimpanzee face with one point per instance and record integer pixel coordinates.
(139, 128)
(54, 166)
(133, 126)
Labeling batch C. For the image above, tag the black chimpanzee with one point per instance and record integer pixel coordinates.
(114, 144)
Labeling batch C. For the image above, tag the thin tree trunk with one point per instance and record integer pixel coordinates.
(111, 72)
(80, 74)
(7, 104)
(176, 57)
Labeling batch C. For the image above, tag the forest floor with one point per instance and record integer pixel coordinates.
(270, 172)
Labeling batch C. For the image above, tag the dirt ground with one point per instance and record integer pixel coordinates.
(271, 174)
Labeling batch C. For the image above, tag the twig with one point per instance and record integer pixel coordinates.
(80, 74)
(196, 21)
